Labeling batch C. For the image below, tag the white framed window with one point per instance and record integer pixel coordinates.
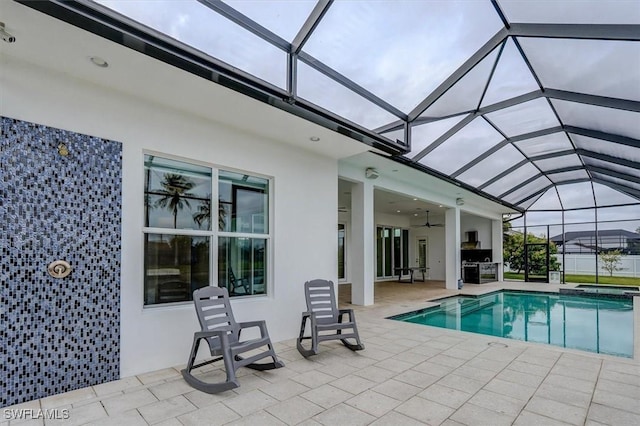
(203, 226)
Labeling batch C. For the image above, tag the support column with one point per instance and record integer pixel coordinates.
(496, 247)
(452, 243)
(362, 244)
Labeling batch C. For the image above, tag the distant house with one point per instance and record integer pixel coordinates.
(608, 239)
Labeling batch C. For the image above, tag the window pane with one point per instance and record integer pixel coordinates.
(397, 257)
(242, 264)
(387, 252)
(379, 252)
(341, 251)
(244, 203)
(405, 248)
(177, 194)
(175, 266)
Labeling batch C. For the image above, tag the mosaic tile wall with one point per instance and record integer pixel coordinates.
(58, 335)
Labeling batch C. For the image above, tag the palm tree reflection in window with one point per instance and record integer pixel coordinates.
(175, 189)
(203, 216)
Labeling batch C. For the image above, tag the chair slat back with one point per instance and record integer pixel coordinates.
(321, 299)
(214, 310)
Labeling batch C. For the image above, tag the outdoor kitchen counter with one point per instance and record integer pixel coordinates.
(479, 272)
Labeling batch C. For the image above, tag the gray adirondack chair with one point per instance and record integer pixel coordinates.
(221, 331)
(325, 317)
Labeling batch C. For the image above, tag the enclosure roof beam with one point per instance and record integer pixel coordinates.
(468, 65)
(629, 32)
(314, 18)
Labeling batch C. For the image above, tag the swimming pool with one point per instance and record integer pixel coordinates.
(602, 325)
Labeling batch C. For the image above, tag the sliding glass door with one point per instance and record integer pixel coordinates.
(392, 250)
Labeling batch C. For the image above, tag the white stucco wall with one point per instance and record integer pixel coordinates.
(304, 244)
(470, 223)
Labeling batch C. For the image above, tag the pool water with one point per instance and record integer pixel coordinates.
(601, 325)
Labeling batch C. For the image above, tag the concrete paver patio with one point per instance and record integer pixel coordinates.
(408, 375)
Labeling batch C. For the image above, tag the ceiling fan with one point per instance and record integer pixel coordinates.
(428, 224)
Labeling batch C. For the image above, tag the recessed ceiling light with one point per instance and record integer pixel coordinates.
(415, 199)
(415, 214)
(314, 139)
(99, 62)
(440, 205)
(397, 211)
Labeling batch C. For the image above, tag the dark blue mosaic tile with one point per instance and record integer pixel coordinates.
(58, 335)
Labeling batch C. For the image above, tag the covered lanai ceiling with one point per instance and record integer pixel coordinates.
(533, 103)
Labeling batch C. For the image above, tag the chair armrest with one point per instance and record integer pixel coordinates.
(261, 324)
(211, 333)
(346, 311)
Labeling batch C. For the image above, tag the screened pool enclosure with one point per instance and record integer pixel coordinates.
(535, 105)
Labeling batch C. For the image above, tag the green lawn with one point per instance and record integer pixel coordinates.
(587, 279)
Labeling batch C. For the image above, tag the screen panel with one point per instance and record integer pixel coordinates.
(576, 195)
(611, 166)
(491, 166)
(572, 11)
(521, 174)
(284, 18)
(465, 94)
(572, 175)
(350, 30)
(528, 189)
(197, 26)
(424, 135)
(607, 196)
(524, 118)
(547, 144)
(326, 93)
(548, 201)
(584, 65)
(471, 141)
(605, 147)
(608, 120)
(558, 162)
(511, 78)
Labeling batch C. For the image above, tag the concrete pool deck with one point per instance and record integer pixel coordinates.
(408, 374)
